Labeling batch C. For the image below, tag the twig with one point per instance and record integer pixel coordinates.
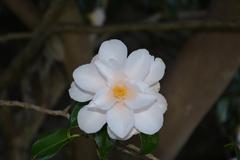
(41, 109)
(135, 148)
(128, 152)
(150, 27)
(15, 36)
(135, 151)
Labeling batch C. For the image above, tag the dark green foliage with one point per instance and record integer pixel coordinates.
(104, 144)
(148, 142)
(48, 146)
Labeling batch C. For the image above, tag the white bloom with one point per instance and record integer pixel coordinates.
(123, 92)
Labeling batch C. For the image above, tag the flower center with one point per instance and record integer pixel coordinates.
(120, 92)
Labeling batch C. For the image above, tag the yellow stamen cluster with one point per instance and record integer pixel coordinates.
(120, 92)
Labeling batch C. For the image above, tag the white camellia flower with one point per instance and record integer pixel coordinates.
(123, 92)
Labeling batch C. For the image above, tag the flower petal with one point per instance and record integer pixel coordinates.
(156, 87)
(95, 58)
(78, 94)
(88, 78)
(111, 134)
(161, 102)
(120, 120)
(130, 134)
(138, 64)
(113, 50)
(150, 120)
(156, 72)
(105, 69)
(102, 100)
(140, 101)
(90, 121)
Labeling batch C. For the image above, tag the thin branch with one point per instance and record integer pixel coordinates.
(63, 113)
(15, 36)
(150, 27)
(135, 148)
(122, 149)
(135, 152)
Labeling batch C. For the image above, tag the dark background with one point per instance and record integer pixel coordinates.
(202, 71)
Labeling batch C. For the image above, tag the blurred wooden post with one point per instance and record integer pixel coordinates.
(77, 50)
(194, 82)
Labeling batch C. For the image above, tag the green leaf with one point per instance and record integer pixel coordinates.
(148, 142)
(104, 144)
(73, 117)
(230, 146)
(50, 145)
